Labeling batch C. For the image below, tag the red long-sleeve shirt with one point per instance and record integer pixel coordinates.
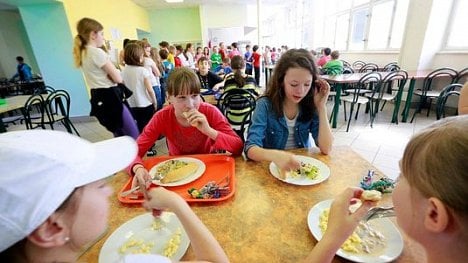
(188, 140)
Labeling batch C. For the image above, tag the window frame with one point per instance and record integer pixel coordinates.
(450, 28)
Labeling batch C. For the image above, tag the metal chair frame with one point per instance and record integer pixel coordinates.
(58, 110)
(35, 102)
(427, 92)
(449, 90)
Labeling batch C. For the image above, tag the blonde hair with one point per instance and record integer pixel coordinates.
(84, 28)
(435, 163)
(183, 81)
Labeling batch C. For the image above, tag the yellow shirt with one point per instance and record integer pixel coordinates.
(170, 58)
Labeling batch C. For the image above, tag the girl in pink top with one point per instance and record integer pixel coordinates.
(190, 125)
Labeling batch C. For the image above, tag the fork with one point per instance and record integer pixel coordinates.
(379, 212)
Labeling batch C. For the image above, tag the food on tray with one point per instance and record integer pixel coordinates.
(176, 170)
(210, 190)
(173, 244)
(365, 239)
(136, 246)
(307, 170)
(371, 195)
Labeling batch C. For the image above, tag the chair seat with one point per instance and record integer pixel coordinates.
(360, 100)
(361, 91)
(430, 93)
(387, 97)
(12, 119)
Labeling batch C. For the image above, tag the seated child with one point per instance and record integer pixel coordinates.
(208, 79)
(333, 66)
(225, 68)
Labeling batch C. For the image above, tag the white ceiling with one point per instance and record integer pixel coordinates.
(160, 4)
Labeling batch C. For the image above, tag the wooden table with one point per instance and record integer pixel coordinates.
(12, 103)
(266, 219)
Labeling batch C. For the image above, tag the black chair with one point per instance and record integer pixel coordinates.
(346, 63)
(237, 105)
(451, 90)
(462, 76)
(34, 112)
(44, 90)
(369, 67)
(358, 64)
(347, 70)
(427, 92)
(394, 82)
(392, 66)
(58, 110)
(370, 82)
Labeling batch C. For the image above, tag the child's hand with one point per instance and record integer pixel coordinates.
(322, 90)
(160, 199)
(341, 222)
(141, 177)
(286, 162)
(198, 120)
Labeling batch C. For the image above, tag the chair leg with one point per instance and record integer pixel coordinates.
(429, 107)
(357, 111)
(350, 116)
(383, 105)
(344, 106)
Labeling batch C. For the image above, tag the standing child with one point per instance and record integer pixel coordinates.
(138, 79)
(190, 125)
(107, 97)
(154, 53)
(257, 60)
(206, 52)
(248, 58)
(293, 107)
(198, 54)
(151, 66)
(216, 59)
(430, 198)
(168, 67)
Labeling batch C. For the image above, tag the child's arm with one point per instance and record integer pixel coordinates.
(150, 91)
(204, 244)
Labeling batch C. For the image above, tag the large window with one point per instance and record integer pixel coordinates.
(457, 37)
(367, 24)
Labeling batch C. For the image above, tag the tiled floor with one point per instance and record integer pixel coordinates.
(381, 145)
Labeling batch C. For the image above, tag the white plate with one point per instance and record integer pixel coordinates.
(201, 169)
(140, 228)
(393, 237)
(324, 172)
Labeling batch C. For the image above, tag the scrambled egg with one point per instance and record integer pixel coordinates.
(173, 244)
(364, 238)
(136, 246)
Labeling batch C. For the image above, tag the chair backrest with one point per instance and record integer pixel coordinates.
(462, 76)
(237, 105)
(44, 90)
(449, 74)
(442, 100)
(347, 70)
(370, 81)
(346, 63)
(369, 67)
(399, 78)
(358, 64)
(35, 102)
(58, 103)
(392, 66)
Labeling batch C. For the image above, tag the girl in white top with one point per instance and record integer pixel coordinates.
(102, 78)
(151, 66)
(138, 79)
(189, 55)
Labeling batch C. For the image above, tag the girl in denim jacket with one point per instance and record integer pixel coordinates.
(293, 107)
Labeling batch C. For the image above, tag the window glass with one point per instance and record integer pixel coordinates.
(398, 28)
(341, 33)
(358, 29)
(379, 31)
(458, 38)
(360, 2)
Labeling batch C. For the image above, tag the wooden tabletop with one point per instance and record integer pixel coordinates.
(13, 103)
(266, 219)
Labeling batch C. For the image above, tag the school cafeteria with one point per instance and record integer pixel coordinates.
(233, 131)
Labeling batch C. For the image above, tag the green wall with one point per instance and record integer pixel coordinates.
(51, 41)
(178, 25)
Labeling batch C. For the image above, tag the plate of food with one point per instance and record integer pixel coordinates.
(377, 240)
(177, 171)
(146, 234)
(312, 172)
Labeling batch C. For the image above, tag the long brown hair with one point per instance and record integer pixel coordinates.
(133, 54)
(183, 81)
(293, 58)
(84, 28)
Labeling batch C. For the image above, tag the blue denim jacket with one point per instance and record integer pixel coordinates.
(271, 132)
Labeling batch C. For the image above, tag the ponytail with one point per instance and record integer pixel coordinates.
(79, 45)
(84, 28)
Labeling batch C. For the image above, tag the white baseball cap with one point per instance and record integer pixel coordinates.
(39, 169)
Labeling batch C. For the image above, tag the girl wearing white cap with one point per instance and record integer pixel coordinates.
(56, 203)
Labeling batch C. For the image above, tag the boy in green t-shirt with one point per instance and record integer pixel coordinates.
(216, 60)
(334, 66)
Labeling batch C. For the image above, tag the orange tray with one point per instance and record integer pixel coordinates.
(217, 168)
